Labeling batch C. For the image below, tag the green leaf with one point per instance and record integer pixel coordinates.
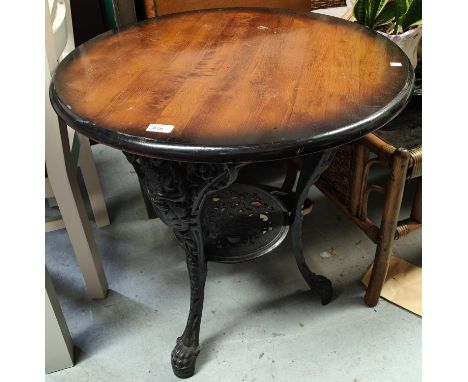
(382, 5)
(401, 6)
(413, 15)
(419, 22)
(385, 16)
(360, 10)
(375, 8)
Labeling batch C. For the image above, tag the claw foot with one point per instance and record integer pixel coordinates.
(324, 289)
(183, 359)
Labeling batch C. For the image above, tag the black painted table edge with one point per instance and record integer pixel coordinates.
(228, 154)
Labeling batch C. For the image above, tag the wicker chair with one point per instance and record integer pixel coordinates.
(398, 147)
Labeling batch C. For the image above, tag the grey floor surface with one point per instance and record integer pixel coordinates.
(260, 322)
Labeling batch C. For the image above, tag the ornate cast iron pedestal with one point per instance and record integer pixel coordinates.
(177, 191)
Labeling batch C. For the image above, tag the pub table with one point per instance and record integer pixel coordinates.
(191, 98)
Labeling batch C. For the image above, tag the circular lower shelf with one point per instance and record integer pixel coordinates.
(242, 222)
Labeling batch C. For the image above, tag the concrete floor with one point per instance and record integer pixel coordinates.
(260, 322)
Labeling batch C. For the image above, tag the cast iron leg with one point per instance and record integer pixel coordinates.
(185, 353)
(177, 192)
(311, 170)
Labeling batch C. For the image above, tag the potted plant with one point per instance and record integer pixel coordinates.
(399, 20)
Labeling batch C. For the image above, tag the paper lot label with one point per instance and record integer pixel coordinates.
(160, 128)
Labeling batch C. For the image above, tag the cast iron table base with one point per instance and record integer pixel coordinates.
(177, 191)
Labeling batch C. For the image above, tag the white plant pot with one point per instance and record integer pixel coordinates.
(408, 42)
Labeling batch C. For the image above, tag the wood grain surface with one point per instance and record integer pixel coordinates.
(236, 84)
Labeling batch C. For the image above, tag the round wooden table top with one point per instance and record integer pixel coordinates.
(232, 85)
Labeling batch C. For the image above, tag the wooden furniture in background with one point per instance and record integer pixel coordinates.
(162, 7)
(60, 43)
(165, 7)
(321, 4)
(149, 7)
(59, 352)
(63, 181)
(398, 147)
